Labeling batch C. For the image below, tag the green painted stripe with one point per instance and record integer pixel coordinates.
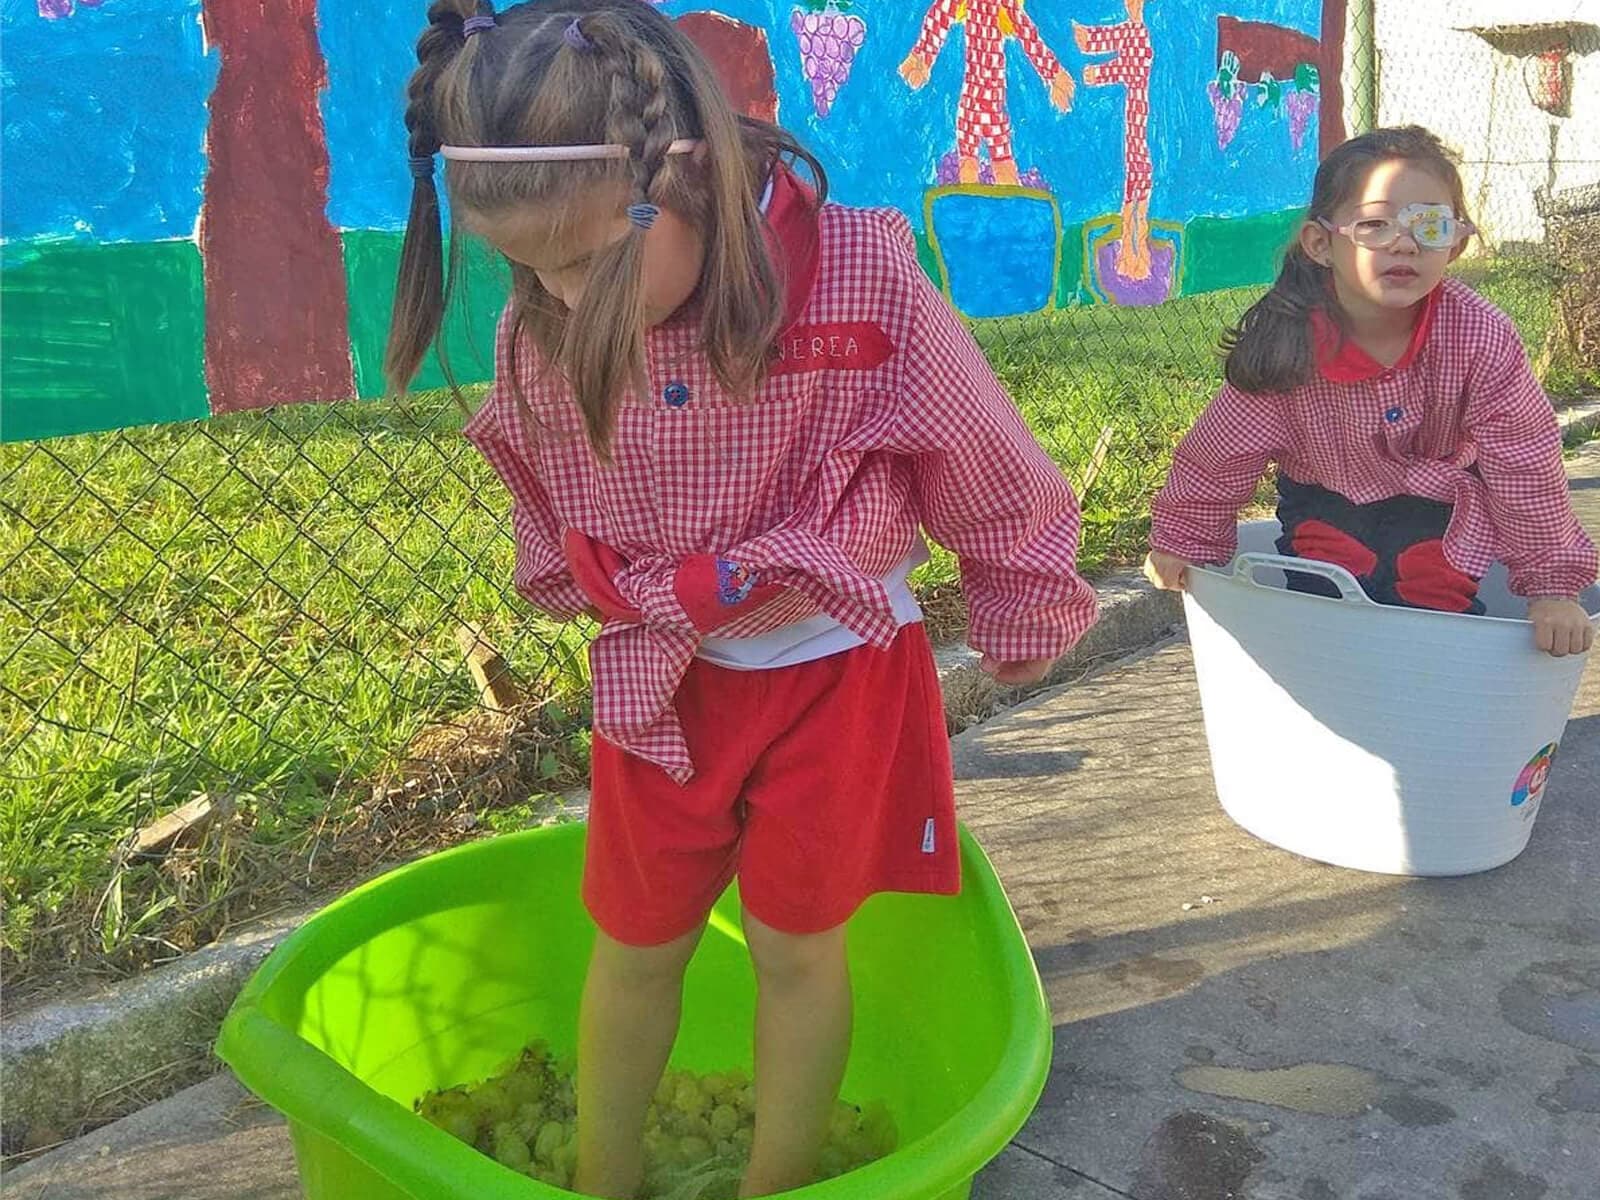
(371, 261)
(100, 337)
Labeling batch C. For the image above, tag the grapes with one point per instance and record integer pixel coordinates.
(1228, 107)
(510, 1148)
(828, 42)
(698, 1129)
(1301, 106)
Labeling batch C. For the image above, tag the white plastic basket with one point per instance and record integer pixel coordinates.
(1387, 739)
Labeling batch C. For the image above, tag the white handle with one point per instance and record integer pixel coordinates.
(1245, 567)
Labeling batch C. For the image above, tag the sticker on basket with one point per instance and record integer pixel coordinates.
(1530, 783)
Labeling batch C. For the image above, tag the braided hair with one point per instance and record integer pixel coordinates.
(558, 72)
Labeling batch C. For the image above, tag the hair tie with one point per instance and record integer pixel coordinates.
(643, 215)
(477, 24)
(421, 166)
(576, 39)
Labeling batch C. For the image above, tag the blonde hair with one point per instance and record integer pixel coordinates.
(626, 76)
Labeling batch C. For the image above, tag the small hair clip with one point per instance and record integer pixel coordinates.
(477, 24)
(577, 39)
(421, 166)
(643, 215)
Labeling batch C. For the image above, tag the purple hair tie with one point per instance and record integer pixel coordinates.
(576, 39)
(643, 215)
(421, 166)
(477, 24)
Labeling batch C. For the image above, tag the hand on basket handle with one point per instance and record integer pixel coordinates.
(1166, 571)
(1560, 625)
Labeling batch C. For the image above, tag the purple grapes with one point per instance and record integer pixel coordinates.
(1301, 106)
(948, 173)
(828, 41)
(1229, 108)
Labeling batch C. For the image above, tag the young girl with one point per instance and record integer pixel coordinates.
(722, 410)
(1414, 446)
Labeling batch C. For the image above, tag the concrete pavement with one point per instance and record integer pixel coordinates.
(1232, 1022)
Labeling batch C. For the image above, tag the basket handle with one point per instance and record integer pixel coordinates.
(1245, 567)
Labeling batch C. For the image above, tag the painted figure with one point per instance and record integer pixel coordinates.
(1129, 43)
(981, 116)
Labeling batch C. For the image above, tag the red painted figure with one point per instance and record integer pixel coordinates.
(981, 115)
(1129, 42)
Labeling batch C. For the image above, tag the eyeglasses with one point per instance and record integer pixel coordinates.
(1431, 226)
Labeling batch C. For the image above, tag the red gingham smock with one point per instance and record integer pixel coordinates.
(981, 114)
(1459, 419)
(879, 414)
(1130, 42)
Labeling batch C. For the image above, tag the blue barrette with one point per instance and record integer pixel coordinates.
(643, 215)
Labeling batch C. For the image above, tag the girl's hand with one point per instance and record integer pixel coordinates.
(1027, 670)
(1560, 626)
(1167, 571)
(915, 70)
(1061, 90)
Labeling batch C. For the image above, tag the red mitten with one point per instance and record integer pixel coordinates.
(713, 590)
(594, 565)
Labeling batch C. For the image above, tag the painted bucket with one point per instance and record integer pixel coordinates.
(440, 972)
(989, 242)
(1386, 739)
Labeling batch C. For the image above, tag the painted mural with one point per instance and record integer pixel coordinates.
(202, 205)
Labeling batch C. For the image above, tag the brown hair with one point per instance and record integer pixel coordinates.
(1270, 349)
(627, 76)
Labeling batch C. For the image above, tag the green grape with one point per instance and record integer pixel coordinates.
(693, 1149)
(550, 1138)
(510, 1150)
(689, 1099)
(831, 1163)
(878, 1125)
(666, 1089)
(530, 1117)
(495, 1102)
(697, 1136)
(567, 1157)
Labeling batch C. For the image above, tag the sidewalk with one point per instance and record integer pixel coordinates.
(1309, 1034)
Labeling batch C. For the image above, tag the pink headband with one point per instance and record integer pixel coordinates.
(552, 153)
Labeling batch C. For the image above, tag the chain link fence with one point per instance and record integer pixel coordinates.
(291, 633)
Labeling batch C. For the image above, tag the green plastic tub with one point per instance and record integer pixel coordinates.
(439, 972)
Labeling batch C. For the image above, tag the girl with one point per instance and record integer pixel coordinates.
(722, 409)
(1414, 446)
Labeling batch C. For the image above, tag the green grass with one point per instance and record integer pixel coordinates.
(265, 606)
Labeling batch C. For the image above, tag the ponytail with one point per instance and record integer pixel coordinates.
(1270, 349)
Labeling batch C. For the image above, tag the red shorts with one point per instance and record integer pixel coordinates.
(816, 785)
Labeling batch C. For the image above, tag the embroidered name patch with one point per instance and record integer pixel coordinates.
(839, 346)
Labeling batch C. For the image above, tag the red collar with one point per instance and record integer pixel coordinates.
(793, 239)
(1342, 361)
